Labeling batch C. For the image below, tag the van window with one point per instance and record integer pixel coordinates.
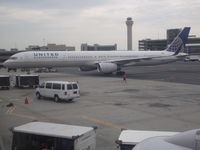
(75, 86)
(48, 85)
(41, 85)
(56, 86)
(63, 87)
(69, 86)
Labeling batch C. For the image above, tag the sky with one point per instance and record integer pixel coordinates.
(73, 22)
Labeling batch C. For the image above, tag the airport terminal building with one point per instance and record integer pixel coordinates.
(50, 47)
(192, 46)
(97, 47)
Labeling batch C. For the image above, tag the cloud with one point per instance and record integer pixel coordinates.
(52, 4)
(92, 21)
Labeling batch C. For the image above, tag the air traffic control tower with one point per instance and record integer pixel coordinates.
(129, 24)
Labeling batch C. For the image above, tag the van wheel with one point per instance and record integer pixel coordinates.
(56, 98)
(38, 95)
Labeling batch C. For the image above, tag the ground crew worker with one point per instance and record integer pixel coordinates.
(45, 148)
(124, 77)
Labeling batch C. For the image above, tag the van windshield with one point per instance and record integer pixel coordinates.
(48, 85)
(41, 85)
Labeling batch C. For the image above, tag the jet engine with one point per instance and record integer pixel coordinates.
(107, 67)
(88, 68)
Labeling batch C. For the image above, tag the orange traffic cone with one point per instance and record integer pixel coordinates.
(26, 101)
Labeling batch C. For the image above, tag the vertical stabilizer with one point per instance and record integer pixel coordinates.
(179, 41)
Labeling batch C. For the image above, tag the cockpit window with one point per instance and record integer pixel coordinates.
(13, 58)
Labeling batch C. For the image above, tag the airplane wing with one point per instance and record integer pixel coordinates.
(132, 60)
(126, 61)
(175, 47)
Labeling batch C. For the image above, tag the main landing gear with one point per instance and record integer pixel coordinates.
(10, 69)
(120, 73)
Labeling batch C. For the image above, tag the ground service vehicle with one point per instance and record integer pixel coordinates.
(58, 90)
(4, 81)
(27, 80)
(52, 136)
(129, 138)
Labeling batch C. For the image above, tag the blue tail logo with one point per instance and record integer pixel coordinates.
(179, 41)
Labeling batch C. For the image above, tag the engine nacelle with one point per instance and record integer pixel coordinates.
(88, 68)
(107, 67)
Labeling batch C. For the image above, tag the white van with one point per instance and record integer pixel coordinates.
(58, 90)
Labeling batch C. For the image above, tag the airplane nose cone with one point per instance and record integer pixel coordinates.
(6, 63)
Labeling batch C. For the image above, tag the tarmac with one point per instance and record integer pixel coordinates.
(160, 98)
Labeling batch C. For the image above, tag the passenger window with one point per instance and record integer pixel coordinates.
(63, 87)
(75, 86)
(41, 85)
(48, 85)
(56, 86)
(69, 86)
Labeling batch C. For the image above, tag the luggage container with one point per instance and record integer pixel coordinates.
(29, 80)
(129, 138)
(4, 81)
(41, 135)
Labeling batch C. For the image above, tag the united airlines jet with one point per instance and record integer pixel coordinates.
(102, 61)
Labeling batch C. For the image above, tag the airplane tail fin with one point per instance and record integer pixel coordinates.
(179, 41)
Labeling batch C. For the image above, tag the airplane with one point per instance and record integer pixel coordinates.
(188, 140)
(106, 62)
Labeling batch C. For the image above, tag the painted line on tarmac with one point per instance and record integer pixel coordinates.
(23, 100)
(20, 100)
(60, 117)
(14, 100)
(108, 124)
(103, 122)
(45, 117)
(24, 116)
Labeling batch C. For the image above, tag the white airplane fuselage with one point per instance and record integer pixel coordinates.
(36, 59)
(103, 61)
